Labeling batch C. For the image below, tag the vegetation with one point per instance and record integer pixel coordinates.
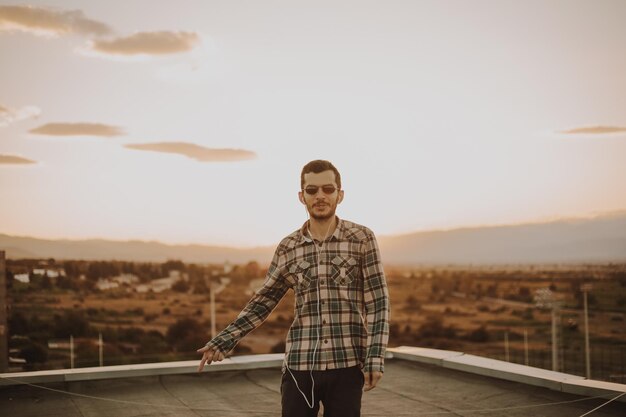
(471, 309)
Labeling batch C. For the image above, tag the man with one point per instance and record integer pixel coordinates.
(336, 345)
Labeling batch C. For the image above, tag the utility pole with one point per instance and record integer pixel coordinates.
(100, 349)
(586, 288)
(526, 362)
(506, 346)
(545, 298)
(212, 289)
(555, 346)
(71, 352)
(4, 306)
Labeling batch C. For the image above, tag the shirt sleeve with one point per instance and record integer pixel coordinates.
(257, 310)
(376, 297)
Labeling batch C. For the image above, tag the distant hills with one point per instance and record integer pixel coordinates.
(133, 250)
(597, 239)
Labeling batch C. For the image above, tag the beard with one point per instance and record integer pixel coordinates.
(328, 211)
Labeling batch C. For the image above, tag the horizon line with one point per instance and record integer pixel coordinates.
(544, 220)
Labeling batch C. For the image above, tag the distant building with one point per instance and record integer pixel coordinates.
(58, 344)
(162, 284)
(50, 273)
(105, 284)
(24, 278)
(141, 288)
(128, 279)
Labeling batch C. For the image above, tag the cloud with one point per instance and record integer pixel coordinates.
(49, 22)
(14, 160)
(52, 22)
(595, 130)
(77, 129)
(197, 152)
(200, 66)
(146, 43)
(8, 116)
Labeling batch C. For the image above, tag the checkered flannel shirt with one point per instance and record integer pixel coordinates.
(353, 317)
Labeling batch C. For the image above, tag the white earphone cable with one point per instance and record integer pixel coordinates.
(319, 251)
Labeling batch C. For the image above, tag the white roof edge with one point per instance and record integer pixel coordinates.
(557, 381)
(529, 375)
(274, 360)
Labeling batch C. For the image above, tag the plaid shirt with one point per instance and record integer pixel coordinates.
(347, 286)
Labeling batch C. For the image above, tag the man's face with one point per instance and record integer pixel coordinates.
(321, 206)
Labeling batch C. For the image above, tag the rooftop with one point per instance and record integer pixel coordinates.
(417, 382)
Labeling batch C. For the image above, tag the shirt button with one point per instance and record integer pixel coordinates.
(325, 341)
(324, 321)
(323, 302)
(322, 282)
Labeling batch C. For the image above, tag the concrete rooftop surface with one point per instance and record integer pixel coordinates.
(426, 387)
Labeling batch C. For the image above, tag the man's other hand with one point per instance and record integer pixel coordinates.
(372, 379)
(209, 354)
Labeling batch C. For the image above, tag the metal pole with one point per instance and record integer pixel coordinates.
(213, 287)
(526, 362)
(71, 352)
(587, 350)
(506, 346)
(4, 305)
(555, 349)
(101, 349)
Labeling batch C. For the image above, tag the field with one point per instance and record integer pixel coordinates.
(466, 308)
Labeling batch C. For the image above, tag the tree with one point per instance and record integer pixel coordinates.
(70, 323)
(478, 335)
(34, 353)
(278, 347)
(252, 270)
(18, 324)
(172, 265)
(412, 303)
(186, 335)
(46, 283)
(180, 286)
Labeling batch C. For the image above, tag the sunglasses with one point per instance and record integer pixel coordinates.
(313, 189)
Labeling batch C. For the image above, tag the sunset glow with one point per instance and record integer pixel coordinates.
(189, 122)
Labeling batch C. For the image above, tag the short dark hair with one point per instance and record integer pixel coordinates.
(317, 166)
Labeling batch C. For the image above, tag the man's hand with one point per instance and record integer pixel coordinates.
(209, 355)
(372, 379)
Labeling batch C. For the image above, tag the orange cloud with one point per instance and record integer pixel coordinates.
(48, 21)
(8, 116)
(77, 129)
(197, 152)
(14, 160)
(595, 130)
(147, 43)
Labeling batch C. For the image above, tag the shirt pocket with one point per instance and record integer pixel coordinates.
(344, 269)
(302, 273)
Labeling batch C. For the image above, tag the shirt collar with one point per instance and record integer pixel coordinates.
(304, 237)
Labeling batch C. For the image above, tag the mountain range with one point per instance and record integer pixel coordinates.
(598, 239)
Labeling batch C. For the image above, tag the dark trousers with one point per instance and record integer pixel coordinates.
(339, 390)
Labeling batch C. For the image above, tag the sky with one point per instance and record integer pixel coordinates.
(189, 121)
